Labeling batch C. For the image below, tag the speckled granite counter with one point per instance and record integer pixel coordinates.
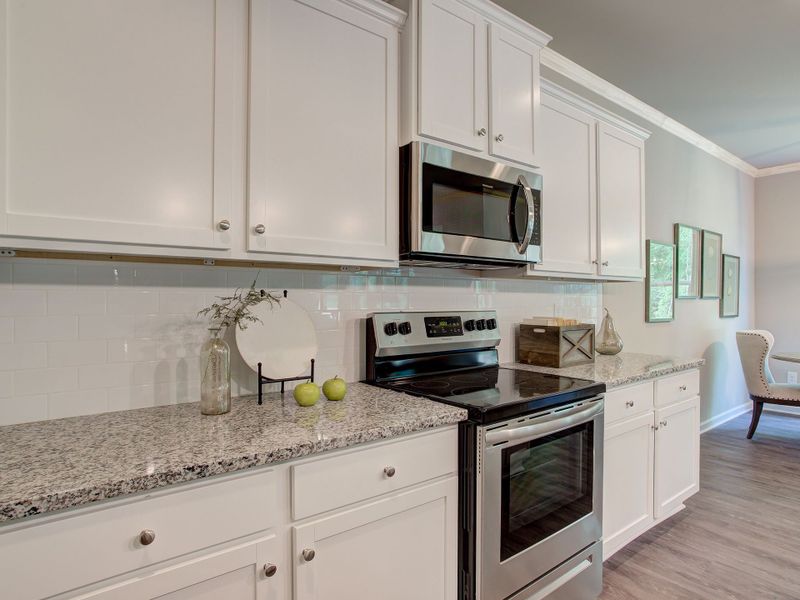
(52, 465)
(624, 368)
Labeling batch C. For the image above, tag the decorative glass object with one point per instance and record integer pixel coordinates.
(608, 341)
(215, 385)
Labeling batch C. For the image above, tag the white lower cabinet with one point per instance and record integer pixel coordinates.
(651, 459)
(400, 547)
(238, 573)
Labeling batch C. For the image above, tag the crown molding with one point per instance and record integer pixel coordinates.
(380, 10)
(497, 14)
(573, 71)
(778, 170)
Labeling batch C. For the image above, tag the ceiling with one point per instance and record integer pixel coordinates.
(728, 69)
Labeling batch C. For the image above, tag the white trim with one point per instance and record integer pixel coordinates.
(724, 417)
(564, 66)
(556, 91)
(380, 10)
(499, 15)
(778, 170)
(782, 409)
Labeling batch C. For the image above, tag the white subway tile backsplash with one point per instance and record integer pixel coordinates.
(45, 329)
(122, 336)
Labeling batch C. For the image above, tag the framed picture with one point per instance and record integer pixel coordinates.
(687, 261)
(711, 263)
(660, 283)
(729, 303)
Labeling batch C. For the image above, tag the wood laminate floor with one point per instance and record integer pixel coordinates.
(739, 537)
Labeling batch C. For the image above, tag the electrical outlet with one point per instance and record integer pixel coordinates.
(791, 377)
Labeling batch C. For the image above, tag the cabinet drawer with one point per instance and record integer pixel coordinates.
(319, 485)
(628, 401)
(676, 388)
(74, 551)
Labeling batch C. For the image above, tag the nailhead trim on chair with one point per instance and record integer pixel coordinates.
(761, 367)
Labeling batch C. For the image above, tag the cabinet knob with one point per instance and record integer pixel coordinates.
(224, 225)
(309, 554)
(270, 569)
(663, 423)
(499, 137)
(260, 229)
(594, 262)
(629, 403)
(682, 388)
(604, 263)
(654, 427)
(482, 131)
(147, 537)
(389, 471)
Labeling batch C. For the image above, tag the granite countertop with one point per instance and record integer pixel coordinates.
(52, 465)
(623, 368)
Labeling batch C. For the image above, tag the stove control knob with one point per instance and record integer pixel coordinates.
(404, 328)
(469, 325)
(480, 324)
(491, 323)
(390, 329)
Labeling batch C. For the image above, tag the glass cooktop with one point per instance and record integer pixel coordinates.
(494, 393)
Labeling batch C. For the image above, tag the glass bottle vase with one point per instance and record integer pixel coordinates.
(215, 385)
(608, 341)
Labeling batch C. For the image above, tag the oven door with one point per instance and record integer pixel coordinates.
(474, 208)
(540, 495)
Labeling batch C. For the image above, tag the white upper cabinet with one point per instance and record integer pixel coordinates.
(513, 96)
(452, 74)
(323, 173)
(569, 210)
(120, 120)
(620, 193)
(470, 78)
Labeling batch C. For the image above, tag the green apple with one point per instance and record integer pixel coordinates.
(306, 394)
(334, 389)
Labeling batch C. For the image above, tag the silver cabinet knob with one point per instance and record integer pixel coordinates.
(629, 403)
(663, 423)
(260, 229)
(389, 471)
(594, 262)
(147, 537)
(309, 554)
(604, 263)
(270, 570)
(224, 225)
(499, 137)
(682, 388)
(482, 131)
(654, 427)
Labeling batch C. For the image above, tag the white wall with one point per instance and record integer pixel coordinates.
(686, 185)
(778, 264)
(87, 337)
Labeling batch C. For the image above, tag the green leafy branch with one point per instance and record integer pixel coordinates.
(235, 310)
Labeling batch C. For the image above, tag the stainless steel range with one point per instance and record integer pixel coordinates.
(531, 454)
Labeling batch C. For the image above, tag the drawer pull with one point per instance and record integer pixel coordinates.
(147, 537)
(309, 554)
(270, 569)
(389, 471)
(629, 403)
(682, 388)
(663, 423)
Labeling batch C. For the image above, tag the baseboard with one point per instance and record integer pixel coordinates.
(724, 417)
(782, 409)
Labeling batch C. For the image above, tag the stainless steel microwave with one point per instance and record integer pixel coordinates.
(463, 211)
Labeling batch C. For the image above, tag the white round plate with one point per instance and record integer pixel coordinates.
(284, 340)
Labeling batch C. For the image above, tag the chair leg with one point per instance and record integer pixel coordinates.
(757, 408)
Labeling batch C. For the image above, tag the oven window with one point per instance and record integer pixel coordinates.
(457, 203)
(546, 486)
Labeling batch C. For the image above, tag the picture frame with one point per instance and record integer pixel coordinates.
(710, 272)
(729, 300)
(688, 251)
(660, 282)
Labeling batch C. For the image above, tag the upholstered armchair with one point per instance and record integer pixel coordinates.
(754, 348)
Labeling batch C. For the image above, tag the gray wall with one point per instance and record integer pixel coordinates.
(778, 264)
(686, 185)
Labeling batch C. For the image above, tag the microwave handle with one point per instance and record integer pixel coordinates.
(522, 246)
(550, 424)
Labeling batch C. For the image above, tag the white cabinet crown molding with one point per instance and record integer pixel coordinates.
(380, 10)
(595, 110)
(499, 15)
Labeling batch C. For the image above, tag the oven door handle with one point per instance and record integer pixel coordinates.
(522, 246)
(548, 425)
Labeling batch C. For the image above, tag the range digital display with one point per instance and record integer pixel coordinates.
(443, 326)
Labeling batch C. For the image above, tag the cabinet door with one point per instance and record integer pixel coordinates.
(122, 120)
(233, 574)
(401, 547)
(569, 210)
(453, 92)
(677, 472)
(620, 183)
(514, 96)
(323, 131)
(627, 481)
